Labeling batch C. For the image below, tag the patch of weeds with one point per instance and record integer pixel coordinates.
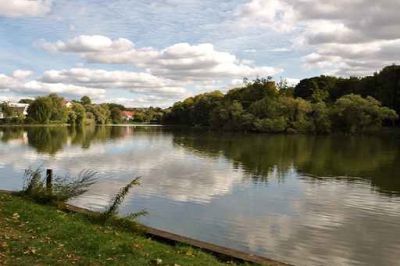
(62, 188)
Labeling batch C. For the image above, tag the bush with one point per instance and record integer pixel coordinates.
(274, 125)
(62, 189)
(354, 114)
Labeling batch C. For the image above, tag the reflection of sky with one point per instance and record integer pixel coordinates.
(299, 220)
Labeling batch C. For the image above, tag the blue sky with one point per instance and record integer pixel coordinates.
(143, 53)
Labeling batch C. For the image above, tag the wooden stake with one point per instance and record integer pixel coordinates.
(49, 180)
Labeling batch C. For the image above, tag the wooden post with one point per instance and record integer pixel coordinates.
(49, 180)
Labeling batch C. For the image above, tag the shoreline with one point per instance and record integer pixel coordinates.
(384, 131)
(171, 238)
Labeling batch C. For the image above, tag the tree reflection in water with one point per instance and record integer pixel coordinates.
(316, 158)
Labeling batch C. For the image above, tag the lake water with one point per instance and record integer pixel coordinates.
(304, 200)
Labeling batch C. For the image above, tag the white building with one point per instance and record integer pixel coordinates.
(16, 108)
(19, 107)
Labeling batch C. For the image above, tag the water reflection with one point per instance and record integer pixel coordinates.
(375, 159)
(301, 199)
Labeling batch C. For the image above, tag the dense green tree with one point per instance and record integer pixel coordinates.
(101, 113)
(27, 101)
(116, 105)
(116, 115)
(231, 116)
(353, 113)
(261, 106)
(80, 113)
(253, 91)
(40, 110)
(383, 86)
(306, 87)
(195, 111)
(85, 100)
(59, 110)
(321, 118)
(48, 109)
(72, 117)
(6, 110)
(388, 87)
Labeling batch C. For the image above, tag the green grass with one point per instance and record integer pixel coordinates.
(32, 234)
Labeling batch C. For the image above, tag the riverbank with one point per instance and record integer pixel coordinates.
(43, 235)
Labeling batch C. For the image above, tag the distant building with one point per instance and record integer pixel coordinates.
(19, 108)
(128, 115)
(16, 109)
(68, 104)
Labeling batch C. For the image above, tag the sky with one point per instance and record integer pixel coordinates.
(153, 53)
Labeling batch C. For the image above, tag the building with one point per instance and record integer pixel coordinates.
(19, 108)
(67, 103)
(127, 115)
(14, 110)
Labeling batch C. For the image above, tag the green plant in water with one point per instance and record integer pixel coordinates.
(62, 188)
(112, 211)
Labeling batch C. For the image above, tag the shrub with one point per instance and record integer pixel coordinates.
(62, 189)
(112, 211)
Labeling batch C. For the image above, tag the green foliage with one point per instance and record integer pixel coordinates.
(27, 101)
(116, 115)
(40, 110)
(101, 113)
(148, 115)
(383, 86)
(307, 87)
(261, 107)
(85, 100)
(115, 105)
(63, 188)
(353, 114)
(321, 118)
(229, 116)
(7, 111)
(274, 125)
(44, 235)
(59, 111)
(194, 110)
(44, 110)
(80, 113)
(112, 210)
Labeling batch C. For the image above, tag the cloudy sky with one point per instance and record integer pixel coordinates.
(142, 53)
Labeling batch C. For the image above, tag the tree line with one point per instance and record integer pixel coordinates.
(320, 105)
(54, 109)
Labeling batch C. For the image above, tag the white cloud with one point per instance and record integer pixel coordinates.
(275, 14)
(18, 83)
(181, 61)
(35, 86)
(138, 82)
(347, 36)
(24, 8)
(147, 90)
(22, 74)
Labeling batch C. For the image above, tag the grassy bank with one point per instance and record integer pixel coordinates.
(32, 234)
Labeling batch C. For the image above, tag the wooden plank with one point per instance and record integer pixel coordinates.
(218, 250)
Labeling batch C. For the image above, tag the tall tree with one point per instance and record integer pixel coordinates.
(85, 100)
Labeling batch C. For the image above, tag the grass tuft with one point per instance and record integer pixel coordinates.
(62, 188)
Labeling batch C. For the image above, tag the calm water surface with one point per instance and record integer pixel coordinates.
(299, 199)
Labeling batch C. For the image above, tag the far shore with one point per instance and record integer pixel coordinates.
(68, 125)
